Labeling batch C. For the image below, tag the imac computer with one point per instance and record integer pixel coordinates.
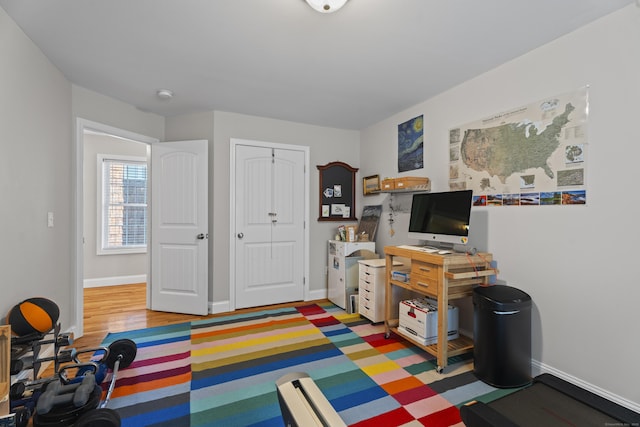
(441, 220)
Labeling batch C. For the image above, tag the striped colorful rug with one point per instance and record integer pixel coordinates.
(222, 372)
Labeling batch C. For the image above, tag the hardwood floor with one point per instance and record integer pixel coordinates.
(123, 308)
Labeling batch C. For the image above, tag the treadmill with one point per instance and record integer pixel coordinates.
(549, 401)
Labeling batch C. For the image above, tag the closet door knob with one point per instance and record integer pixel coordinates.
(240, 235)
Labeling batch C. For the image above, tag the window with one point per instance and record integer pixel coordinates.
(122, 204)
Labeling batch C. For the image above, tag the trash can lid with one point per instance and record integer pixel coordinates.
(501, 297)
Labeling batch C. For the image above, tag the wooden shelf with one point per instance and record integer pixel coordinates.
(455, 347)
(471, 274)
(405, 285)
(404, 190)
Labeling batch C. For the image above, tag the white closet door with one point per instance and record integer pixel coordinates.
(269, 225)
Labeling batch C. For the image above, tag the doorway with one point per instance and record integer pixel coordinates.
(114, 211)
(108, 136)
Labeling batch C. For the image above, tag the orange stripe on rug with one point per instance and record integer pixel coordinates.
(121, 391)
(240, 330)
(404, 384)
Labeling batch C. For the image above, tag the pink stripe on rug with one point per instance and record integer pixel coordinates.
(162, 359)
(431, 405)
(389, 376)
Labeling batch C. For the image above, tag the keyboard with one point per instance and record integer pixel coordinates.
(428, 249)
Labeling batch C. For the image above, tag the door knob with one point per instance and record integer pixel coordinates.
(200, 236)
(240, 235)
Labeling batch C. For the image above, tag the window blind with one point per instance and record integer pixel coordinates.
(124, 204)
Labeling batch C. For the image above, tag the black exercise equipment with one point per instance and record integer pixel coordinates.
(101, 417)
(71, 397)
(86, 410)
(58, 394)
(549, 401)
(67, 414)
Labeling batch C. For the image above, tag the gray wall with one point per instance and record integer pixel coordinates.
(576, 262)
(102, 109)
(35, 174)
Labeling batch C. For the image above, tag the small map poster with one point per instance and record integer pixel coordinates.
(531, 155)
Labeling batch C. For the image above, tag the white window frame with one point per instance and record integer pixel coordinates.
(100, 246)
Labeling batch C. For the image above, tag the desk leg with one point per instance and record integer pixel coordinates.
(443, 325)
(388, 295)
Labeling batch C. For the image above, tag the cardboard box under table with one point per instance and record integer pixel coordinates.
(419, 320)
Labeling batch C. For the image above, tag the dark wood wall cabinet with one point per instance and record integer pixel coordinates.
(337, 192)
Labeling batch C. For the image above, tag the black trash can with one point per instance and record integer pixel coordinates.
(502, 336)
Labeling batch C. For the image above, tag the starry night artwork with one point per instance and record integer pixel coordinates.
(410, 145)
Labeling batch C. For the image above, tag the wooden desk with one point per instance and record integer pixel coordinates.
(442, 277)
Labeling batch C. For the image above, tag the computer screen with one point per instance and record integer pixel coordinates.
(441, 217)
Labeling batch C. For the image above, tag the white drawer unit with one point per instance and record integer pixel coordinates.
(342, 280)
(371, 289)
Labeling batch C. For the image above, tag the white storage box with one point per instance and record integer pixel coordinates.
(419, 320)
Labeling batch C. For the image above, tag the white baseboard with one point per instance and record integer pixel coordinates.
(318, 294)
(541, 368)
(219, 307)
(114, 281)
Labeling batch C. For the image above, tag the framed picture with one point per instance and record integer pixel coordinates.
(369, 221)
(370, 184)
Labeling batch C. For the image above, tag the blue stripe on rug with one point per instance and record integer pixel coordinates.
(251, 387)
(250, 371)
(264, 412)
(271, 422)
(333, 331)
(361, 397)
(176, 414)
(340, 334)
(153, 336)
(346, 384)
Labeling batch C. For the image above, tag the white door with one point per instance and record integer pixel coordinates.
(179, 221)
(269, 225)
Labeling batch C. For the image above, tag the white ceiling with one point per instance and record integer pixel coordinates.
(281, 59)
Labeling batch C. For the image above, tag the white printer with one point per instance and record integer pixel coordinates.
(419, 320)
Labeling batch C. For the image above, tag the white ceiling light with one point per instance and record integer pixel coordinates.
(164, 94)
(326, 6)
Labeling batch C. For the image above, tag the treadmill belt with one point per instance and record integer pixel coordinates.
(541, 405)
